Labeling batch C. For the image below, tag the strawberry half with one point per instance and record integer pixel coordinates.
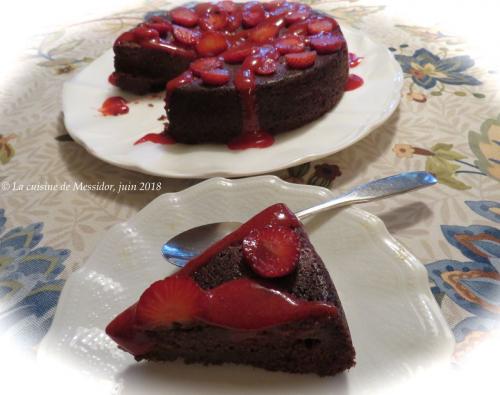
(301, 13)
(264, 33)
(272, 251)
(229, 6)
(326, 42)
(184, 16)
(321, 25)
(265, 66)
(253, 14)
(174, 299)
(216, 19)
(186, 36)
(302, 60)
(215, 77)
(237, 54)
(290, 44)
(145, 33)
(211, 44)
(205, 64)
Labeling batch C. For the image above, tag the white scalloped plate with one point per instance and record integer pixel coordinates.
(396, 326)
(111, 138)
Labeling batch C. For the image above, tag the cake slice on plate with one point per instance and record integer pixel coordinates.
(261, 296)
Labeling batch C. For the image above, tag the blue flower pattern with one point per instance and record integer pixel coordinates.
(475, 284)
(427, 69)
(29, 282)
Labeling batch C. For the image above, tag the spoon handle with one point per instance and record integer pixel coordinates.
(373, 190)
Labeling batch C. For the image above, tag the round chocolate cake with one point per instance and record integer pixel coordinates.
(236, 73)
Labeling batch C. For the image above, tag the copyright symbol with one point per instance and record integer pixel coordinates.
(5, 186)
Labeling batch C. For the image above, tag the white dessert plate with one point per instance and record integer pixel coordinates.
(112, 138)
(396, 326)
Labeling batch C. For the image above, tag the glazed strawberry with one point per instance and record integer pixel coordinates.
(290, 44)
(215, 77)
(204, 8)
(174, 299)
(327, 43)
(145, 33)
(216, 19)
(234, 21)
(298, 29)
(125, 37)
(264, 33)
(301, 13)
(162, 28)
(237, 54)
(273, 5)
(229, 6)
(321, 25)
(184, 16)
(302, 60)
(265, 66)
(272, 251)
(245, 304)
(211, 44)
(186, 36)
(253, 14)
(205, 64)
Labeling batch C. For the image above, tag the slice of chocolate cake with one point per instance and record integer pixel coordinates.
(261, 296)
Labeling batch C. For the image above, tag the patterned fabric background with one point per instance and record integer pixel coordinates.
(448, 123)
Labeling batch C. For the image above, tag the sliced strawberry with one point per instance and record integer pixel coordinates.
(321, 25)
(186, 36)
(327, 42)
(204, 8)
(237, 54)
(273, 5)
(216, 19)
(234, 21)
(229, 6)
(215, 77)
(211, 44)
(272, 251)
(174, 299)
(143, 33)
(205, 64)
(298, 29)
(253, 14)
(302, 60)
(290, 44)
(301, 13)
(162, 28)
(184, 16)
(265, 66)
(125, 37)
(264, 33)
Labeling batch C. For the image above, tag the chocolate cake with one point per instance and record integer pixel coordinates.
(237, 73)
(261, 296)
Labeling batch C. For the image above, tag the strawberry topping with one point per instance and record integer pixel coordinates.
(321, 25)
(184, 16)
(302, 60)
(216, 19)
(327, 43)
(253, 14)
(272, 251)
(237, 54)
(264, 33)
(205, 64)
(186, 36)
(211, 44)
(215, 76)
(290, 44)
(174, 299)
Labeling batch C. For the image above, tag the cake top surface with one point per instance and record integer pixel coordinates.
(257, 36)
(270, 246)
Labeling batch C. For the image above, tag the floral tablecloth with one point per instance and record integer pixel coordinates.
(448, 123)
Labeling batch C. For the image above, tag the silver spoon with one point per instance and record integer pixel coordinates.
(188, 244)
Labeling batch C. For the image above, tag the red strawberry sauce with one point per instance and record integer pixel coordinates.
(222, 306)
(115, 105)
